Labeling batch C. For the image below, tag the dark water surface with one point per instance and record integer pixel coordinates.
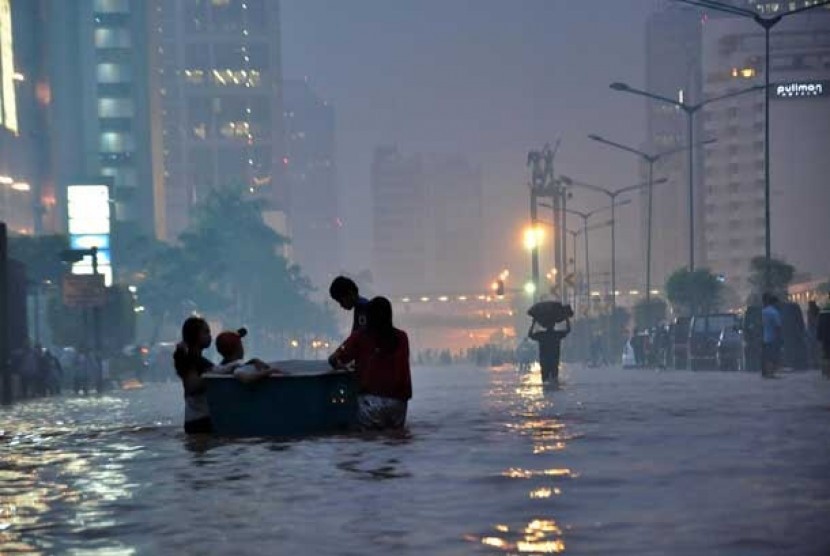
(611, 462)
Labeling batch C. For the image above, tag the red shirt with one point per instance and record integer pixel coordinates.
(378, 372)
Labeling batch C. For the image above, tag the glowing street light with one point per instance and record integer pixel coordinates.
(533, 237)
(530, 288)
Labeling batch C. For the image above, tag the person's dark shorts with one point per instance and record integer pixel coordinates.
(771, 353)
(199, 426)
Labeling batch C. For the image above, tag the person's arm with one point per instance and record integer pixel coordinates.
(346, 353)
(186, 368)
(530, 330)
(227, 368)
(567, 327)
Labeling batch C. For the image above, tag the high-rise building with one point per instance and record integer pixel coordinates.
(311, 172)
(21, 119)
(427, 224)
(399, 207)
(672, 70)
(733, 59)
(98, 100)
(454, 261)
(217, 75)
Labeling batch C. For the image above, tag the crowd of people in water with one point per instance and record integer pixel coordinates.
(376, 350)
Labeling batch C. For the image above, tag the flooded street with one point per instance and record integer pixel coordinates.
(611, 462)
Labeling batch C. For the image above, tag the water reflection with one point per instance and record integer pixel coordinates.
(46, 470)
(539, 536)
(532, 407)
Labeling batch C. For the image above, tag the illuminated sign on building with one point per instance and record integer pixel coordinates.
(89, 226)
(8, 103)
(800, 89)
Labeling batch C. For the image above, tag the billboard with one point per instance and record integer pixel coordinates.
(800, 89)
(89, 219)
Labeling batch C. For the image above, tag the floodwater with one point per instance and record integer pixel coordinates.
(611, 462)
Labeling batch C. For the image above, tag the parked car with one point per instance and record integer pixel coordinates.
(704, 332)
(679, 332)
(730, 350)
(629, 361)
(752, 333)
(794, 354)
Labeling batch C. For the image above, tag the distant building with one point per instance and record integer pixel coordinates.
(218, 80)
(21, 121)
(312, 176)
(454, 261)
(733, 59)
(427, 224)
(99, 110)
(673, 47)
(399, 207)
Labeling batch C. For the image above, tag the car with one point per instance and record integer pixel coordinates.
(629, 361)
(730, 349)
(704, 332)
(679, 337)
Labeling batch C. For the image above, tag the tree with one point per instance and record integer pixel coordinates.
(229, 263)
(41, 255)
(780, 276)
(696, 293)
(649, 313)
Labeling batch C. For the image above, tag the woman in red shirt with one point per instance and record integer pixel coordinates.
(381, 356)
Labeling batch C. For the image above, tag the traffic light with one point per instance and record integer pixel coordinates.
(500, 288)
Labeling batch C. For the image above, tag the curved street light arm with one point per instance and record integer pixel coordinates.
(639, 186)
(596, 188)
(620, 146)
(728, 95)
(734, 10)
(684, 148)
(616, 204)
(628, 89)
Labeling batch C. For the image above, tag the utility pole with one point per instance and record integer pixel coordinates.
(544, 185)
(96, 327)
(534, 251)
(5, 369)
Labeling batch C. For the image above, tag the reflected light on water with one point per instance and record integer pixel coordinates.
(547, 547)
(545, 492)
(539, 536)
(542, 448)
(517, 473)
(50, 469)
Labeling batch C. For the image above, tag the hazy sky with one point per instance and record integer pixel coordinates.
(486, 78)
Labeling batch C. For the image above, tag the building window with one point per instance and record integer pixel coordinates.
(112, 37)
(115, 108)
(114, 73)
(115, 142)
(111, 6)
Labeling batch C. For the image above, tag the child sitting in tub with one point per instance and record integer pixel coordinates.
(229, 345)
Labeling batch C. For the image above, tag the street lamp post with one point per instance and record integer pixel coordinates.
(612, 195)
(651, 159)
(585, 229)
(690, 110)
(767, 23)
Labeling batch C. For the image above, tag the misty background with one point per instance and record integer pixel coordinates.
(484, 78)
